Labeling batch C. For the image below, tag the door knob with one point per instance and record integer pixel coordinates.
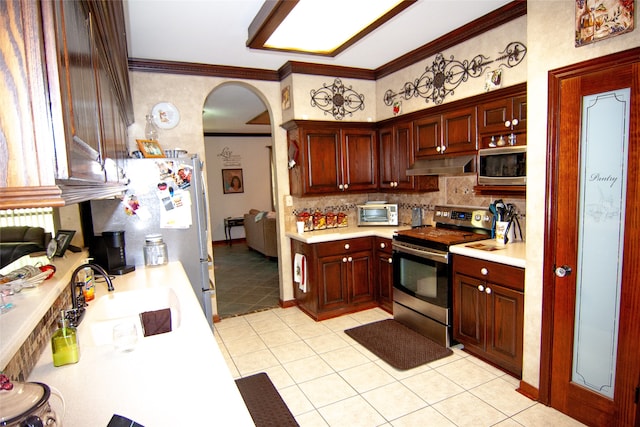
(563, 270)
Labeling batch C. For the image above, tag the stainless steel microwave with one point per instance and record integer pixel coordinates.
(377, 214)
(502, 165)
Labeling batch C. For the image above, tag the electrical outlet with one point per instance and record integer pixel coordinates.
(288, 201)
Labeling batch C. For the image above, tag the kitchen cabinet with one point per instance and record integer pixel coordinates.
(502, 118)
(339, 277)
(332, 157)
(63, 88)
(397, 154)
(384, 273)
(449, 132)
(488, 311)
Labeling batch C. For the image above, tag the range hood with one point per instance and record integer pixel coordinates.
(443, 166)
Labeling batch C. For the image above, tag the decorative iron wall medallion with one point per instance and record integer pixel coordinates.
(445, 75)
(337, 99)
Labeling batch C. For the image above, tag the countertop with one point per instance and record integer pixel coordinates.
(513, 254)
(510, 254)
(351, 232)
(176, 378)
(31, 304)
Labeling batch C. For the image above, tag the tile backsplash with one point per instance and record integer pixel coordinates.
(454, 190)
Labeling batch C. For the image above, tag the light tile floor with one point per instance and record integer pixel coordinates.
(328, 379)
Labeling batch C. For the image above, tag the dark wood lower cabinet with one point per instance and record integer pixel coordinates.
(488, 308)
(340, 277)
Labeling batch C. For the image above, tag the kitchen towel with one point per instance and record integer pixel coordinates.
(300, 271)
(156, 322)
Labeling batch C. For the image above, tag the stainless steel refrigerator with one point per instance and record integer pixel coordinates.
(164, 196)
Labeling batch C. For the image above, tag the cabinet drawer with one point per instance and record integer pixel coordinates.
(506, 275)
(345, 246)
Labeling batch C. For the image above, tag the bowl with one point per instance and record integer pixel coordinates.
(176, 152)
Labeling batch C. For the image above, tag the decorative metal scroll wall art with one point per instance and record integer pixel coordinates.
(337, 99)
(444, 76)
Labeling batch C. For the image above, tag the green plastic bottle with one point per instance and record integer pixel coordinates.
(64, 343)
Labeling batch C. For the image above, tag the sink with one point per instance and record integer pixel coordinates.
(125, 307)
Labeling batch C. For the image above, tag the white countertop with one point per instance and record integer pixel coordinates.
(176, 378)
(31, 304)
(513, 254)
(351, 232)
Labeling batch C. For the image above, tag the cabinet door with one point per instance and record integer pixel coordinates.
(459, 128)
(519, 111)
(387, 151)
(322, 164)
(404, 155)
(332, 282)
(396, 155)
(493, 115)
(504, 325)
(469, 311)
(77, 56)
(360, 277)
(384, 273)
(428, 136)
(359, 160)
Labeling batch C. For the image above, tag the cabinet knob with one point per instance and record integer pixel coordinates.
(347, 246)
(390, 260)
(349, 259)
(383, 245)
(344, 259)
(484, 271)
(488, 290)
(443, 148)
(438, 148)
(481, 288)
(346, 186)
(341, 187)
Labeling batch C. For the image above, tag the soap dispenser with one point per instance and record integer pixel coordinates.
(64, 343)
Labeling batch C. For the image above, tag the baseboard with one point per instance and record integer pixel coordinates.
(528, 390)
(287, 304)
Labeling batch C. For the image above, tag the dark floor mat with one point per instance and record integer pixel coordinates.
(264, 402)
(399, 346)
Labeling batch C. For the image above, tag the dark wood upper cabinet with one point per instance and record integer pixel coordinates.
(501, 118)
(68, 77)
(449, 132)
(332, 158)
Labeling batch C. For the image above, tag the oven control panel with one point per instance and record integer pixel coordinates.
(463, 216)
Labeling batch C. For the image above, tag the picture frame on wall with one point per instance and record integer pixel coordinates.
(598, 20)
(232, 181)
(150, 148)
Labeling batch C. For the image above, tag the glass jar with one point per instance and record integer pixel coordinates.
(155, 250)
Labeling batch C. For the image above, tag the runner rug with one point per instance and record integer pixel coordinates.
(264, 402)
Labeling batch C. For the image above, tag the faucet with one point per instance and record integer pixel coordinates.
(77, 297)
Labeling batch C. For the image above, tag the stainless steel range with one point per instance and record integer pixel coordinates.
(422, 285)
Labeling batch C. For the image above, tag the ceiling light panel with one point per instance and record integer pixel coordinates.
(320, 27)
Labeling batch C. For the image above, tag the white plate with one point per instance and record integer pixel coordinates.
(165, 115)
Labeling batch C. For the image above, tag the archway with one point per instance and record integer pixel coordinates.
(238, 142)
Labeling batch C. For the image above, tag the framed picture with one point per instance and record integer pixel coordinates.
(599, 20)
(150, 148)
(63, 237)
(286, 98)
(232, 181)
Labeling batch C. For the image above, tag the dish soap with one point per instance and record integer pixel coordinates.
(88, 285)
(64, 343)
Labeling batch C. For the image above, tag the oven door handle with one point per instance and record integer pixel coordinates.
(423, 253)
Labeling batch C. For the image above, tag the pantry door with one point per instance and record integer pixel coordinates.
(590, 362)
